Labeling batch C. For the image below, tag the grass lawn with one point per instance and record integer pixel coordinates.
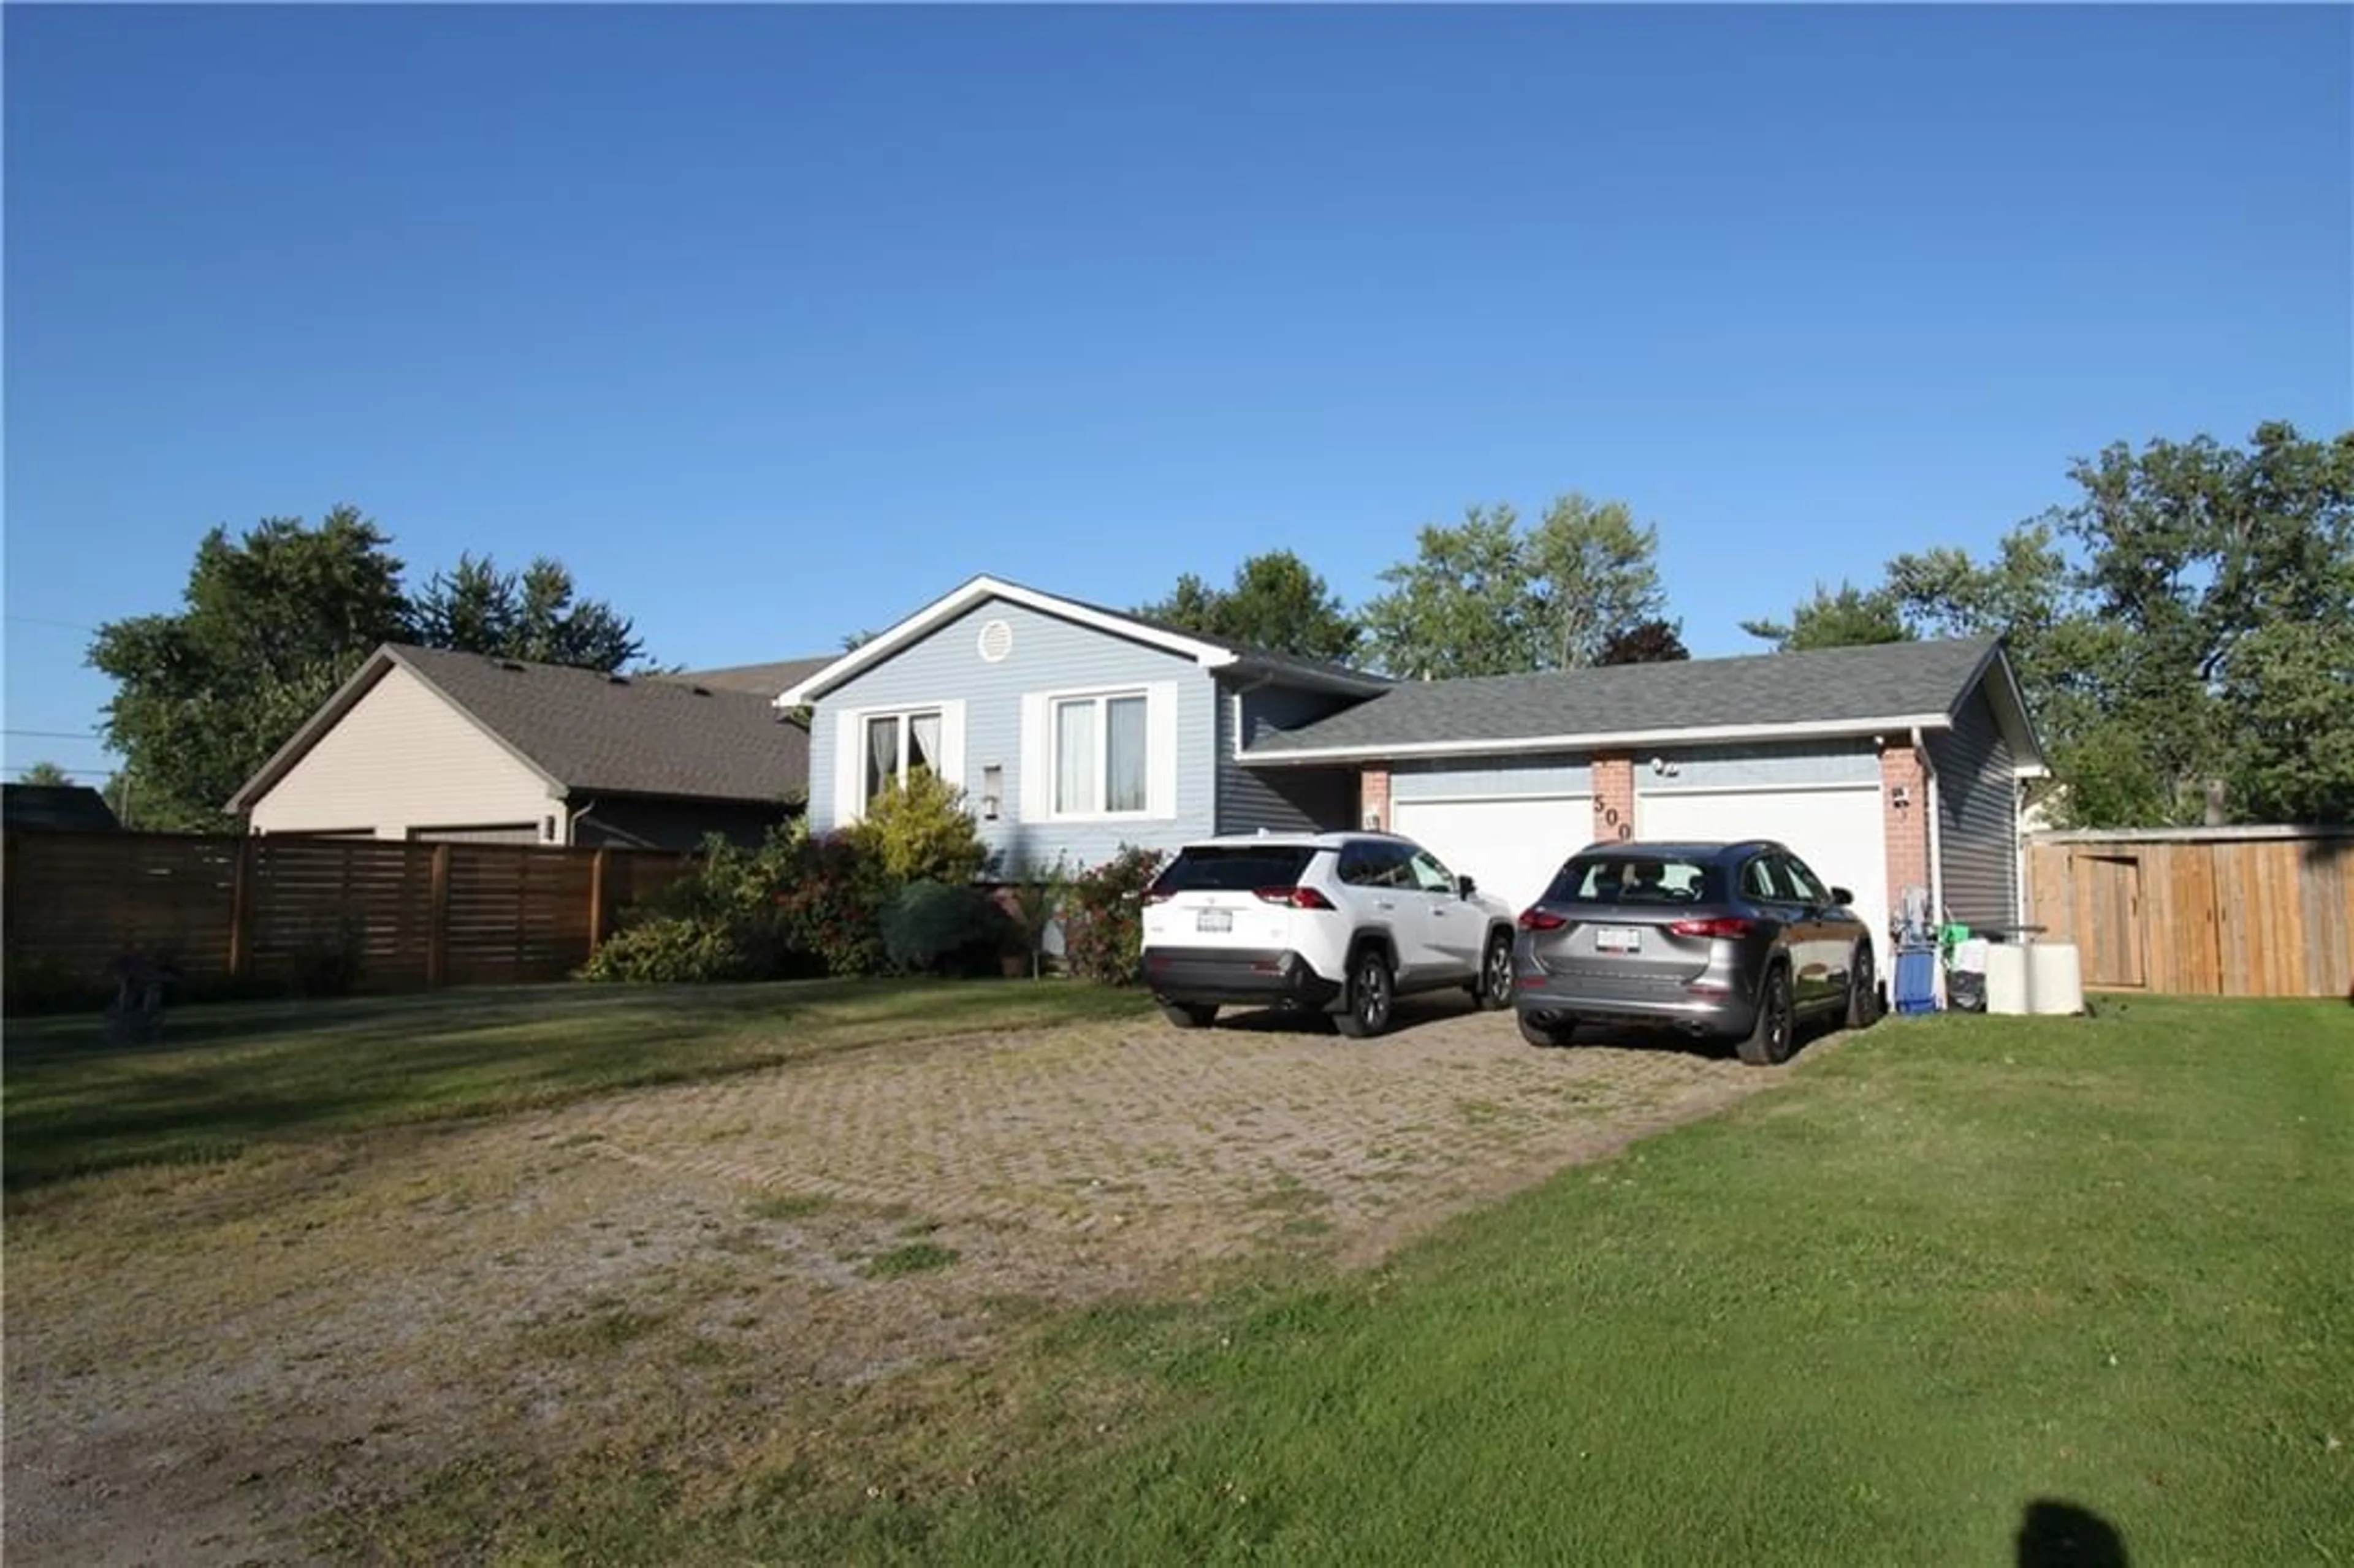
(1952, 1268)
(233, 1074)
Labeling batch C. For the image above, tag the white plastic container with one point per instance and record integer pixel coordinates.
(2005, 978)
(2056, 978)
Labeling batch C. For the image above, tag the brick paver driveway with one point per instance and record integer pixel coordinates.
(201, 1361)
(1184, 1144)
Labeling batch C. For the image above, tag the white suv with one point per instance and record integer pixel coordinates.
(1337, 922)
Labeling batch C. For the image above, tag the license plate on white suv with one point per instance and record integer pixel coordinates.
(1617, 939)
(1215, 920)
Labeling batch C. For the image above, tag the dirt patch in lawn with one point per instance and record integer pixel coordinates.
(216, 1363)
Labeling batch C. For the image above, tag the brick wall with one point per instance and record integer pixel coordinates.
(1373, 797)
(1614, 791)
(1904, 829)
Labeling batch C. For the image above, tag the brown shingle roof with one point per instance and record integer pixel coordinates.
(592, 733)
(768, 680)
(632, 736)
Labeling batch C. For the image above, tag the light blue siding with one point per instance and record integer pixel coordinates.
(1049, 655)
(1761, 766)
(1281, 799)
(1977, 816)
(1537, 775)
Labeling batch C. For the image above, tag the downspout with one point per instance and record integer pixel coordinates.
(572, 823)
(1936, 847)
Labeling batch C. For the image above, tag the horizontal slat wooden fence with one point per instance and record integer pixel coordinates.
(2201, 911)
(225, 912)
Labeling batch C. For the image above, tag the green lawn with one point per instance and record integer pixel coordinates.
(230, 1074)
(1954, 1268)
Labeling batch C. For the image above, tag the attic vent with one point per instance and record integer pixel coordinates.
(996, 642)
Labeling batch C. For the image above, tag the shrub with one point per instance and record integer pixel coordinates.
(830, 904)
(1035, 900)
(919, 831)
(1103, 923)
(668, 949)
(937, 928)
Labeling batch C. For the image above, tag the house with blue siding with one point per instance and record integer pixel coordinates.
(1075, 730)
(1072, 730)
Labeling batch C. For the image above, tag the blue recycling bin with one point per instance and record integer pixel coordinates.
(1917, 980)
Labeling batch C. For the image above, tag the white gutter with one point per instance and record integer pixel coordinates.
(1596, 741)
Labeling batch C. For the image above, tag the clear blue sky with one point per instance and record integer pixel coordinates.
(773, 323)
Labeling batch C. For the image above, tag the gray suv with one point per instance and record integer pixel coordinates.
(1729, 941)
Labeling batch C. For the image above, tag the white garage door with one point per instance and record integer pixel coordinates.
(1836, 832)
(1511, 847)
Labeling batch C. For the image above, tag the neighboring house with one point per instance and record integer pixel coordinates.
(433, 745)
(1074, 729)
(54, 809)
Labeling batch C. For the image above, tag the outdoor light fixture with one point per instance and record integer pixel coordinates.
(992, 790)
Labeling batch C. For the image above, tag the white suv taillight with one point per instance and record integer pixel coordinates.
(1296, 897)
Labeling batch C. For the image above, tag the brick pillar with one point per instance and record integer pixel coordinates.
(1614, 797)
(1373, 797)
(1905, 827)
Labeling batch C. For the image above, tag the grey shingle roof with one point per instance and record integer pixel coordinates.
(1831, 685)
(768, 680)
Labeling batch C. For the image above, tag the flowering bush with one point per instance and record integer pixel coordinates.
(1103, 917)
(829, 903)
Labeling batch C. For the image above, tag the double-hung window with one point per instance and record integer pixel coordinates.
(1100, 755)
(899, 744)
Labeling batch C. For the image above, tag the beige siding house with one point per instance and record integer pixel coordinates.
(406, 763)
(434, 745)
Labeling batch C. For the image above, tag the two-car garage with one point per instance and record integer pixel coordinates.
(1512, 843)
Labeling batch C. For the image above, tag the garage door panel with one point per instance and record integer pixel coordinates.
(1836, 832)
(1511, 846)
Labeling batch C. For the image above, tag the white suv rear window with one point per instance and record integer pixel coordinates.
(1235, 868)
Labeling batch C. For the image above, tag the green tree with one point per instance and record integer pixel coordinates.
(531, 615)
(1461, 607)
(1594, 575)
(274, 620)
(1274, 602)
(1850, 618)
(2183, 631)
(45, 776)
(1485, 598)
(1648, 643)
(269, 624)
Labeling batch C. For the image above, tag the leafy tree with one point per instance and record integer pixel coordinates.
(2183, 631)
(270, 623)
(1276, 603)
(1648, 642)
(45, 775)
(1850, 618)
(1483, 597)
(531, 615)
(1595, 574)
(1461, 607)
(274, 620)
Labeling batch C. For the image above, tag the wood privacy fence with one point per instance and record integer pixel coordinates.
(2201, 911)
(231, 912)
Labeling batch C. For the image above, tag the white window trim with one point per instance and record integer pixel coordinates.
(850, 750)
(1040, 711)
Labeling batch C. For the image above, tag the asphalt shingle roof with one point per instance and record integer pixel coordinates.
(769, 679)
(1828, 686)
(635, 735)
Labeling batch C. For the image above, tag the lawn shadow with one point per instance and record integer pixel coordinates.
(2053, 1534)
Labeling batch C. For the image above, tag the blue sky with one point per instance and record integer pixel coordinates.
(775, 323)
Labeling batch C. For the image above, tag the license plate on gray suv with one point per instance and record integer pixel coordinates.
(1617, 939)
